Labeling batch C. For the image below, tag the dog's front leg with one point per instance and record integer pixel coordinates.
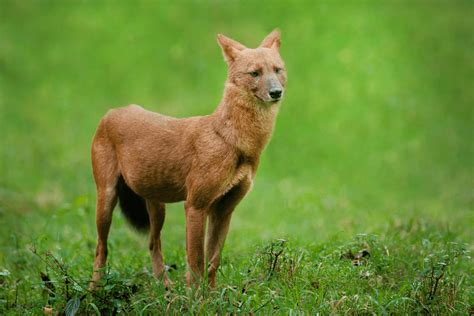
(195, 228)
(219, 220)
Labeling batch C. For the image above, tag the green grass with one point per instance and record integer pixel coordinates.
(373, 149)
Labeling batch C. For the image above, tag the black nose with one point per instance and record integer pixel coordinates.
(275, 93)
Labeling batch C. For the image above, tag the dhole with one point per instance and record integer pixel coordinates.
(144, 159)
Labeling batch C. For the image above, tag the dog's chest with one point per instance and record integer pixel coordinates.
(242, 173)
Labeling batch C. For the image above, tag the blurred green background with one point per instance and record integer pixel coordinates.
(376, 125)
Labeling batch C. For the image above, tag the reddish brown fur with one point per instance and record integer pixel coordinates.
(207, 161)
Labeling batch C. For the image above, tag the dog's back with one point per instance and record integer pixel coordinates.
(151, 146)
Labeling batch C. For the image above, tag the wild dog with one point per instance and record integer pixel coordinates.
(144, 160)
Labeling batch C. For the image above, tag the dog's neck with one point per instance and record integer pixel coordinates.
(243, 121)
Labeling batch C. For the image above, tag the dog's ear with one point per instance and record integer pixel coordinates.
(230, 48)
(272, 40)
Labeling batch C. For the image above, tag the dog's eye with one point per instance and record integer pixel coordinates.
(278, 70)
(254, 74)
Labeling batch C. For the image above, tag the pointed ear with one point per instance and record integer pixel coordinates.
(272, 40)
(230, 48)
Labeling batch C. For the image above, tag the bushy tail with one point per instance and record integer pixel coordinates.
(133, 206)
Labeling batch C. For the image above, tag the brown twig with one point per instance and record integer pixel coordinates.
(59, 265)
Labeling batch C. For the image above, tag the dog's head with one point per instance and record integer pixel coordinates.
(259, 72)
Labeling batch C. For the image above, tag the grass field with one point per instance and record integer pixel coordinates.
(372, 155)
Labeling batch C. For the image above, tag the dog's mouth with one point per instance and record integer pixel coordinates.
(271, 100)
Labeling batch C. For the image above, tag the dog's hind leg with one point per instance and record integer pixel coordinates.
(106, 173)
(219, 220)
(156, 213)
